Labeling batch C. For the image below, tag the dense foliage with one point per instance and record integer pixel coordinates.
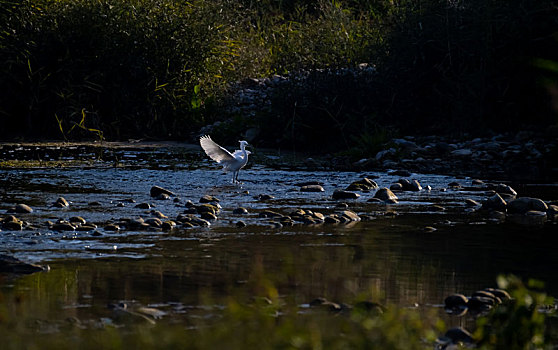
(159, 68)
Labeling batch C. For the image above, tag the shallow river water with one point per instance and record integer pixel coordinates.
(394, 256)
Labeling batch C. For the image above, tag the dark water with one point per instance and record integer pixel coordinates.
(391, 258)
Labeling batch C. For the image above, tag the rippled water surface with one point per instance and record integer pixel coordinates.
(389, 256)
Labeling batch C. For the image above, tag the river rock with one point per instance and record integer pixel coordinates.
(163, 197)
(270, 214)
(505, 189)
(12, 225)
(385, 194)
(143, 206)
(86, 227)
(208, 216)
(396, 187)
(552, 211)
(168, 225)
(364, 184)
(351, 215)
(154, 222)
(112, 227)
(21, 209)
(341, 194)
(496, 202)
(415, 186)
(63, 226)
(157, 190)
(331, 219)
(209, 199)
(77, 220)
(312, 188)
(524, 204)
(264, 197)
(240, 211)
(13, 265)
(61, 202)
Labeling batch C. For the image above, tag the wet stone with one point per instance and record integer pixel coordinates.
(363, 185)
(312, 188)
(240, 224)
(77, 220)
(157, 190)
(208, 216)
(143, 206)
(95, 204)
(331, 219)
(21, 209)
(154, 222)
(162, 197)
(240, 211)
(396, 187)
(86, 227)
(351, 215)
(524, 204)
(12, 225)
(168, 225)
(496, 202)
(264, 197)
(63, 226)
(269, 214)
(61, 202)
(158, 214)
(385, 194)
(112, 227)
(208, 199)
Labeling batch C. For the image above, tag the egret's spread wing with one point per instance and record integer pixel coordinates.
(214, 151)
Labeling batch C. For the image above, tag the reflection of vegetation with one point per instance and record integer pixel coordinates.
(267, 322)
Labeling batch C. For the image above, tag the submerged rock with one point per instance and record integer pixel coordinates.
(240, 211)
(312, 188)
(208, 199)
(21, 209)
(157, 190)
(341, 194)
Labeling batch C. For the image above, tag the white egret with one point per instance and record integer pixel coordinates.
(230, 161)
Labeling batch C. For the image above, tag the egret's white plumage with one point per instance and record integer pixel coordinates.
(230, 162)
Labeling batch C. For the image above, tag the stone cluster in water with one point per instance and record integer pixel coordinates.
(501, 204)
